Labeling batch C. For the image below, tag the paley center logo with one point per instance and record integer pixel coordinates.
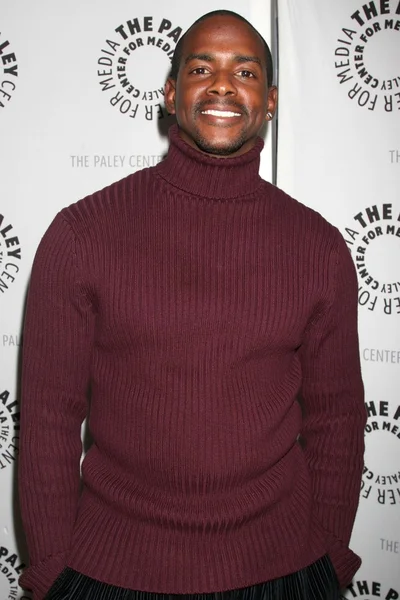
(10, 569)
(134, 64)
(8, 71)
(381, 475)
(374, 242)
(9, 429)
(367, 589)
(10, 255)
(366, 56)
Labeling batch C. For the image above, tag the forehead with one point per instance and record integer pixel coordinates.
(223, 33)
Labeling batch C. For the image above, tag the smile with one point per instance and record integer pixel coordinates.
(221, 113)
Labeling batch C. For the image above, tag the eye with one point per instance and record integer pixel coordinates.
(199, 71)
(246, 74)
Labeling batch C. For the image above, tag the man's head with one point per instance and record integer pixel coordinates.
(220, 85)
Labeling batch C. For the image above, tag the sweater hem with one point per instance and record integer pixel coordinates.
(119, 551)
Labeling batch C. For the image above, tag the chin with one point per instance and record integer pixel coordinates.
(225, 148)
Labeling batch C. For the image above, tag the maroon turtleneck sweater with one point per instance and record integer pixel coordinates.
(214, 319)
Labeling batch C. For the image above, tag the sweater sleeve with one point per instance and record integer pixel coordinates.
(57, 345)
(334, 412)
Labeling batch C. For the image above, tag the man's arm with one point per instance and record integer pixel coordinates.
(334, 411)
(57, 346)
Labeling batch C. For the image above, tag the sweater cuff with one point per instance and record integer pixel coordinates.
(345, 562)
(40, 577)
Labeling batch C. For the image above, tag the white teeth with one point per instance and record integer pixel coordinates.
(220, 113)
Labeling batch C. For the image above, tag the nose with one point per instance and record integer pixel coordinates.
(222, 84)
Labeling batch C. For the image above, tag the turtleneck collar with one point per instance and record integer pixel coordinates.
(216, 178)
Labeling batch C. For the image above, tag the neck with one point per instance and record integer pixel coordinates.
(202, 174)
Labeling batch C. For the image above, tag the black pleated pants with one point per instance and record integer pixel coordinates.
(315, 582)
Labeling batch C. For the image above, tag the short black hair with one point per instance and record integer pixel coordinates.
(177, 57)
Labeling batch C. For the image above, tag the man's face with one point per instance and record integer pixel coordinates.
(221, 96)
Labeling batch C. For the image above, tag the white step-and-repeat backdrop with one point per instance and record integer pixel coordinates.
(74, 118)
(339, 152)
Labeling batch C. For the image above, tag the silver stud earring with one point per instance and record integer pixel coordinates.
(269, 115)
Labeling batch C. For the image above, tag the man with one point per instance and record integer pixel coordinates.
(215, 320)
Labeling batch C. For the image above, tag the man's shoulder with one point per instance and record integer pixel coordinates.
(111, 203)
(300, 218)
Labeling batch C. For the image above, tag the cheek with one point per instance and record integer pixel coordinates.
(186, 101)
(256, 101)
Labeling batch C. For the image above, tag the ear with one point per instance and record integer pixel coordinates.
(272, 101)
(169, 91)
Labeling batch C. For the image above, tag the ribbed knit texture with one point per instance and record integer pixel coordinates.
(214, 319)
(317, 581)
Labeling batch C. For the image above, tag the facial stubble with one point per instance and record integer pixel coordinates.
(207, 145)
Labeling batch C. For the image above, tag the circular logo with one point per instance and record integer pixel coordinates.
(9, 429)
(8, 70)
(10, 568)
(10, 255)
(374, 242)
(366, 56)
(367, 588)
(133, 66)
(381, 479)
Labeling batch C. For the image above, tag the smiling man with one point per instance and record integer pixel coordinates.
(215, 320)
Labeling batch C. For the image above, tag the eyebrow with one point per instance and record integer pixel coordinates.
(206, 57)
(244, 59)
(238, 58)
